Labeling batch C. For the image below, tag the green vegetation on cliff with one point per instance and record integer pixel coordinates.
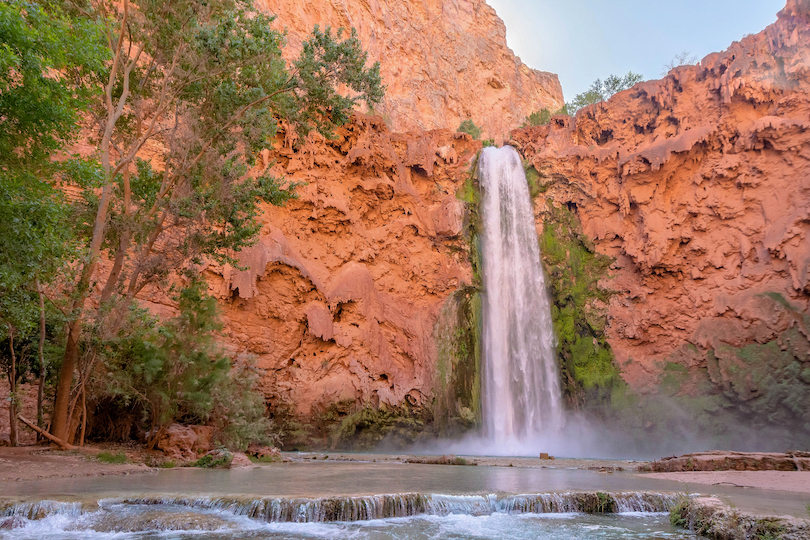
(600, 90)
(469, 127)
(723, 392)
(457, 386)
(579, 307)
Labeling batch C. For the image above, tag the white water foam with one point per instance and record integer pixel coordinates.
(522, 398)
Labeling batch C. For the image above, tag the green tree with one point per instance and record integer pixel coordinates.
(202, 85)
(602, 90)
(42, 53)
(469, 127)
(543, 116)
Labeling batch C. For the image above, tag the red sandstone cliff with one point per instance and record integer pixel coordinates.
(443, 60)
(699, 186)
(342, 292)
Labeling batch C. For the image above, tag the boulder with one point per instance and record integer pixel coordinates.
(185, 443)
(262, 451)
(240, 461)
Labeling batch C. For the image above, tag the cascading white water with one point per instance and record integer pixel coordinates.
(521, 385)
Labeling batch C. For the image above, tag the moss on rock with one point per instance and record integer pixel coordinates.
(579, 307)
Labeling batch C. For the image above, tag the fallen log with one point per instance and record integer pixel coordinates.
(57, 440)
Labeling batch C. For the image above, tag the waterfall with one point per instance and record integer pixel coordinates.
(521, 386)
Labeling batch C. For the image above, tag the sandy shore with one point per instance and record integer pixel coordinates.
(36, 463)
(794, 481)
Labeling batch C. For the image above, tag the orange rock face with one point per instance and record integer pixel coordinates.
(339, 298)
(699, 186)
(443, 61)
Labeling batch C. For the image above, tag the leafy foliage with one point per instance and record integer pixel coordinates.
(238, 413)
(42, 52)
(602, 90)
(469, 127)
(210, 461)
(169, 370)
(40, 48)
(176, 371)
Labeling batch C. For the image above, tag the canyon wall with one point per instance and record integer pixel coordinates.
(443, 61)
(698, 186)
(339, 299)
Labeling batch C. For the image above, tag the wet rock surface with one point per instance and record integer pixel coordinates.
(709, 517)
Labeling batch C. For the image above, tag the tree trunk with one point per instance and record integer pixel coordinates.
(12, 384)
(59, 420)
(84, 416)
(123, 246)
(41, 354)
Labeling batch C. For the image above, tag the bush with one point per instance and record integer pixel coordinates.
(543, 116)
(176, 371)
(467, 126)
(211, 461)
(238, 413)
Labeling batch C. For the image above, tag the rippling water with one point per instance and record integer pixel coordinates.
(146, 522)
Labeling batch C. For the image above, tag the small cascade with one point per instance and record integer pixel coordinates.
(41, 509)
(174, 513)
(331, 509)
(522, 397)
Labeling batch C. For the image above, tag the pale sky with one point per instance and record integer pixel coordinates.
(585, 40)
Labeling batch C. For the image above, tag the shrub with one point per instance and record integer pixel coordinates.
(683, 59)
(212, 461)
(467, 126)
(238, 412)
(176, 371)
(543, 116)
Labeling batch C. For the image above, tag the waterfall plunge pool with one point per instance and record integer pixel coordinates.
(342, 500)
